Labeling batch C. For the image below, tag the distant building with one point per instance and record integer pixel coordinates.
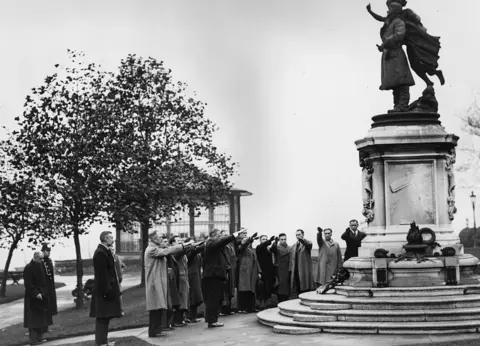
(186, 223)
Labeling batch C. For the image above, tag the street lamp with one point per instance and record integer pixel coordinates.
(473, 198)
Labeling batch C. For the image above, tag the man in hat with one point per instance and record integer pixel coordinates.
(36, 299)
(214, 275)
(52, 294)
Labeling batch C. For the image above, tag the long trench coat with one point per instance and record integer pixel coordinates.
(35, 310)
(248, 267)
(183, 285)
(106, 289)
(301, 260)
(195, 275)
(156, 275)
(395, 68)
(282, 255)
(329, 259)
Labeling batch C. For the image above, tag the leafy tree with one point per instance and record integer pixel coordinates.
(165, 158)
(65, 133)
(27, 206)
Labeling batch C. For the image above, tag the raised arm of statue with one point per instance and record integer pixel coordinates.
(374, 15)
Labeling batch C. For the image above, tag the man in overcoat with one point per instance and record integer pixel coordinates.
(282, 253)
(329, 256)
(36, 299)
(265, 261)
(183, 285)
(229, 289)
(248, 273)
(156, 279)
(195, 279)
(214, 275)
(52, 294)
(353, 238)
(301, 278)
(105, 303)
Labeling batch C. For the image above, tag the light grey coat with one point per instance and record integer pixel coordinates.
(156, 280)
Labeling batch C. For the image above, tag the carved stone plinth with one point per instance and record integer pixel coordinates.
(407, 167)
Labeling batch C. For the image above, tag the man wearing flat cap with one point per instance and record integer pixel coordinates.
(50, 275)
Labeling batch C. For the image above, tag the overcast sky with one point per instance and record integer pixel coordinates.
(291, 84)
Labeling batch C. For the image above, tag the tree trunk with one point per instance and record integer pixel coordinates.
(3, 289)
(76, 239)
(145, 226)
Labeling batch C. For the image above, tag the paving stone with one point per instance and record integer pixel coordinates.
(295, 330)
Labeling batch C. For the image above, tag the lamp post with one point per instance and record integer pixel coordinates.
(473, 198)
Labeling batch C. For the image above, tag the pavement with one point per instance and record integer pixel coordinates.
(12, 313)
(246, 330)
(238, 329)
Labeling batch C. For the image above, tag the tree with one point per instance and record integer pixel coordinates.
(27, 206)
(165, 158)
(65, 132)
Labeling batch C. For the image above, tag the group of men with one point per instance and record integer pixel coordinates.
(40, 296)
(180, 275)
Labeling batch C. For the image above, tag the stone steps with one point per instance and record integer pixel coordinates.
(273, 318)
(340, 302)
(407, 291)
(300, 312)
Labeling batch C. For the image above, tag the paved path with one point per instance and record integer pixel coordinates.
(12, 313)
(245, 330)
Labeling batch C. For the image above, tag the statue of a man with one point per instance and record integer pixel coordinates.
(404, 27)
(396, 74)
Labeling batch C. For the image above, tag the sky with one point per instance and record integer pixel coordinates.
(291, 84)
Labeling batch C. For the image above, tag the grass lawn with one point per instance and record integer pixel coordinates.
(15, 292)
(72, 322)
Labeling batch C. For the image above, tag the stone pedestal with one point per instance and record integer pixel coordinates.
(407, 166)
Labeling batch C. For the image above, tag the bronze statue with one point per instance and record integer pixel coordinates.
(404, 27)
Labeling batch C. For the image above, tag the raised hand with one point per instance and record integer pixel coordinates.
(369, 7)
(319, 229)
(272, 238)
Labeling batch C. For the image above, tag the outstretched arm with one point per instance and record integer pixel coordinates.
(374, 15)
(319, 237)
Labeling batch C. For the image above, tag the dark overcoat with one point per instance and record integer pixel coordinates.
(106, 290)
(35, 310)
(173, 283)
(195, 275)
(282, 255)
(301, 260)
(214, 258)
(52, 294)
(265, 260)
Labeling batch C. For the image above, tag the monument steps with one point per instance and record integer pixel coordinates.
(273, 318)
(300, 312)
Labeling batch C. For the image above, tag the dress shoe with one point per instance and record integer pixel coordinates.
(215, 325)
(176, 325)
(156, 335)
(167, 329)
